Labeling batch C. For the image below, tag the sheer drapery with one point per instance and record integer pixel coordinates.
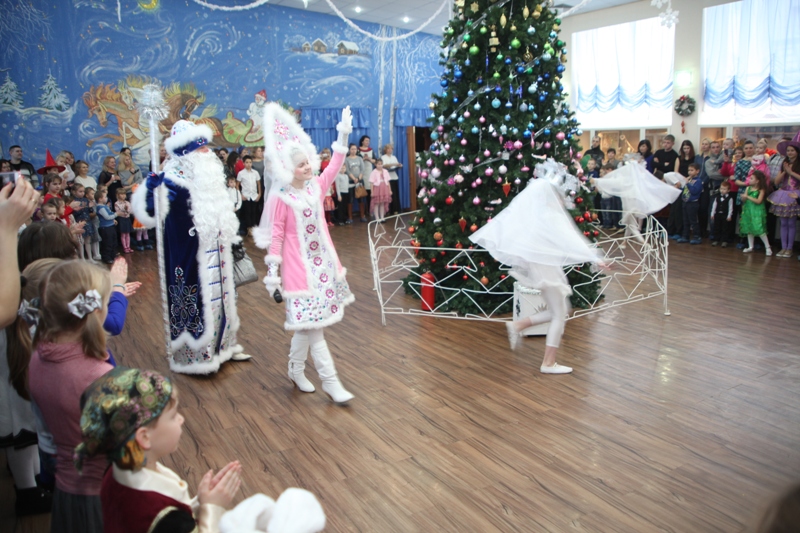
(624, 67)
(750, 63)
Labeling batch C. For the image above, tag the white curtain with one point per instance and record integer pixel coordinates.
(624, 71)
(751, 69)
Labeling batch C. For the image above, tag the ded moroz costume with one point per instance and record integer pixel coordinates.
(198, 232)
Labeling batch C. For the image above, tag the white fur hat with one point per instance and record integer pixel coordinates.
(283, 138)
(187, 136)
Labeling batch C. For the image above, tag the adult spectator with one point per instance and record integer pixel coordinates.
(594, 152)
(24, 167)
(223, 155)
(391, 164)
(666, 159)
(775, 162)
(82, 176)
(645, 150)
(16, 207)
(713, 164)
(109, 177)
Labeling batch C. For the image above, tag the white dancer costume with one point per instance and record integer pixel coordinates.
(537, 255)
(641, 193)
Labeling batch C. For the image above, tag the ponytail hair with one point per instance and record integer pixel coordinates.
(18, 334)
(63, 284)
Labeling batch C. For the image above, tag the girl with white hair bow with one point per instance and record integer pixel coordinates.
(302, 266)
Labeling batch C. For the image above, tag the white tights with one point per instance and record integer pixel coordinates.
(24, 465)
(751, 240)
(379, 211)
(556, 314)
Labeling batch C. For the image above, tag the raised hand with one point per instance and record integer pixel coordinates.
(346, 124)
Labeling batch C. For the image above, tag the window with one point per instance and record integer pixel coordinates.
(622, 74)
(750, 68)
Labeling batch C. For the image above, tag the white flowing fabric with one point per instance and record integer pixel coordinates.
(641, 192)
(535, 229)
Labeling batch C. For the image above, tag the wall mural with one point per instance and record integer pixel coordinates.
(69, 71)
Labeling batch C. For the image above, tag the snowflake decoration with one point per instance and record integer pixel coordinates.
(669, 17)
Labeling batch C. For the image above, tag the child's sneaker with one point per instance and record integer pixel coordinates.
(724, 245)
(769, 252)
(714, 243)
(681, 240)
(747, 251)
(696, 241)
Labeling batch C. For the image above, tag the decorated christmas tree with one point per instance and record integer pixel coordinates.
(501, 111)
(52, 96)
(10, 94)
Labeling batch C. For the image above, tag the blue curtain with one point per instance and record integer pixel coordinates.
(750, 53)
(320, 124)
(402, 119)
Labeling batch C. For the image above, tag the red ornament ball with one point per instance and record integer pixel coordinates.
(485, 280)
(578, 200)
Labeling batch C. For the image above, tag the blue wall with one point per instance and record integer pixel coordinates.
(216, 60)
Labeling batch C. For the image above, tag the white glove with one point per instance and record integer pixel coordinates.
(345, 126)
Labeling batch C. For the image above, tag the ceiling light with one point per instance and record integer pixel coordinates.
(406, 19)
(358, 9)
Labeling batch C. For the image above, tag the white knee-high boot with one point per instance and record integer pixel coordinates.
(297, 362)
(327, 373)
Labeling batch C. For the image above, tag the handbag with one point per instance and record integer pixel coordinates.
(361, 191)
(244, 271)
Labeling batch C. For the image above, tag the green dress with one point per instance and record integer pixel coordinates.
(754, 217)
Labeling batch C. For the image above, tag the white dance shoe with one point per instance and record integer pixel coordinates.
(555, 369)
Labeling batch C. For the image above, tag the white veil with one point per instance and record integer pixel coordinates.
(535, 228)
(640, 191)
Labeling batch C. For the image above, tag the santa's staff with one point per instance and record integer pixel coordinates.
(153, 108)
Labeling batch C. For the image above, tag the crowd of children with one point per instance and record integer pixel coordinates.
(726, 190)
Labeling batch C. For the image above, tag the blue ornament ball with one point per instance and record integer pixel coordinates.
(526, 134)
(496, 103)
(444, 94)
(535, 116)
(547, 131)
(434, 135)
(480, 81)
(459, 134)
(443, 83)
(458, 74)
(546, 57)
(537, 63)
(541, 98)
(579, 132)
(553, 35)
(560, 68)
(569, 136)
(455, 99)
(475, 130)
(556, 122)
(507, 61)
(477, 106)
(565, 142)
(507, 118)
(520, 69)
(497, 89)
(564, 51)
(530, 126)
(509, 104)
(547, 75)
(467, 62)
(470, 92)
(460, 120)
(515, 131)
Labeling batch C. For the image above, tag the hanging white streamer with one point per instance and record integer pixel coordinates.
(245, 7)
(378, 37)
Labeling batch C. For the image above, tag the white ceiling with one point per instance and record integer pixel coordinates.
(418, 11)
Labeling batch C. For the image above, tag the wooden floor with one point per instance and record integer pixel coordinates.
(686, 423)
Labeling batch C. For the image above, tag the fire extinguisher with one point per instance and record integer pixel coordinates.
(428, 292)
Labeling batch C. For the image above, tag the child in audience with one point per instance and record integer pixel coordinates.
(250, 182)
(608, 202)
(69, 354)
(381, 191)
(591, 169)
(95, 222)
(17, 420)
(123, 210)
(343, 196)
(107, 229)
(354, 164)
(130, 417)
(50, 211)
(753, 222)
(691, 205)
(722, 215)
(328, 204)
(84, 215)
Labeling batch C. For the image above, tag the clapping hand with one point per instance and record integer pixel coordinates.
(220, 489)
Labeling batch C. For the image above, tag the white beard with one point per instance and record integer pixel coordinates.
(211, 209)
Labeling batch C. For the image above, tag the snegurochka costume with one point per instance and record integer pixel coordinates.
(301, 260)
(199, 228)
